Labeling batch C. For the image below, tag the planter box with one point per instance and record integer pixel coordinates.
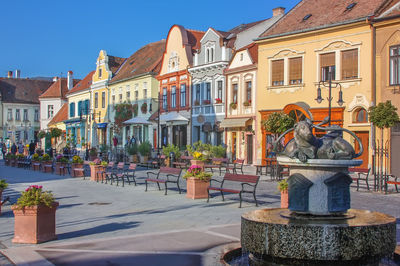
(60, 171)
(34, 224)
(36, 166)
(198, 162)
(284, 199)
(94, 169)
(7, 161)
(196, 188)
(76, 174)
(46, 169)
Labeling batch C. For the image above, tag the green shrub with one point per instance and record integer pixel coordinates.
(283, 185)
(145, 148)
(46, 157)
(34, 196)
(171, 148)
(218, 151)
(132, 149)
(3, 184)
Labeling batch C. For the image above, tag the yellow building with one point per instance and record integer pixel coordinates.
(107, 66)
(318, 40)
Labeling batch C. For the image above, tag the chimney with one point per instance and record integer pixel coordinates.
(70, 80)
(9, 74)
(278, 11)
(55, 79)
(17, 73)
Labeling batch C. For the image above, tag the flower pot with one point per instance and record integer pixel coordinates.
(284, 199)
(35, 224)
(76, 173)
(46, 169)
(196, 188)
(94, 169)
(198, 162)
(144, 159)
(135, 158)
(36, 166)
(7, 161)
(166, 162)
(60, 170)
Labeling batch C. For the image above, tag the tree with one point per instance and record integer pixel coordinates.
(278, 122)
(41, 134)
(55, 133)
(123, 112)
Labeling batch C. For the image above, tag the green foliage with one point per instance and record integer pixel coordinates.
(34, 196)
(145, 148)
(3, 184)
(104, 163)
(132, 149)
(46, 157)
(171, 148)
(135, 109)
(93, 152)
(77, 159)
(41, 134)
(35, 157)
(20, 156)
(55, 132)
(197, 172)
(218, 151)
(383, 115)
(283, 185)
(278, 122)
(103, 148)
(123, 112)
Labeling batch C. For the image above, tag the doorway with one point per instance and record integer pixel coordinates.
(364, 137)
(249, 149)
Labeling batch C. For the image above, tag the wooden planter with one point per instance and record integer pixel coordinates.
(34, 224)
(284, 199)
(60, 170)
(196, 188)
(76, 173)
(94, 169)
(198, 162)
(144, 159)
(46, 169)
(36, 165)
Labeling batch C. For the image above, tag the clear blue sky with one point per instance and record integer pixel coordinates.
(45, 38)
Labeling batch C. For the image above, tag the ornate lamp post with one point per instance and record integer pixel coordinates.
(330, 85)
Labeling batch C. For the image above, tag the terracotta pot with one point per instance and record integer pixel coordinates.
(58, 170)
(166, 162)
(34, 224)
(196, 188)
(144, 159)
(36, 166)
(44, 169)
(94, 169)
(76, 174)
(284, 199)
(198, 162)
(7, 161)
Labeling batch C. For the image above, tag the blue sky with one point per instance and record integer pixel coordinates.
(46, 38)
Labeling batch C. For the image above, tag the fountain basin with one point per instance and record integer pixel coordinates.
(360, 235)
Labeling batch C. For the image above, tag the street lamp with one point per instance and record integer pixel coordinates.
(330, 85)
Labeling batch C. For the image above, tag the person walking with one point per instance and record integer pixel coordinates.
(14, 149)
(4, 149)
(32, 148)
(20, 148)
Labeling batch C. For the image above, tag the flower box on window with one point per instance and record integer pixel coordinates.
(233, 106)
(247, 103)
(206, 102)
(218, 100)
(196, 102)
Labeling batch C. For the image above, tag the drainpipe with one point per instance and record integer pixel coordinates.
(373, 87)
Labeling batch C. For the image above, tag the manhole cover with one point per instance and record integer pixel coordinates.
(99, 203)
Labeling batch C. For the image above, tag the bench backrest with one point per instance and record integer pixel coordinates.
(132, 166)
(169, 170)
(359, 170)
(223, 160)
(183, 157)
(121, 165)
(110, 164)
(241, 178)
(238, 161)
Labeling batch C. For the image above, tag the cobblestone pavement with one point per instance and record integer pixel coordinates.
(99, 224)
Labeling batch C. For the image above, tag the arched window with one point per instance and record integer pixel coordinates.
(212, 55)
(360, 116)
(208, 55)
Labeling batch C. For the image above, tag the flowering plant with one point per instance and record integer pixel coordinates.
(196, 102)
(247, 103)
(206, 101)
(218, 100)
(20, 156)
(61, 159)
(33, 196)
(233, 106)
(96, 161)
(46, 157)
(3, 184)
(35, 157)
(198, 156)
(197, 172)
(77, 159)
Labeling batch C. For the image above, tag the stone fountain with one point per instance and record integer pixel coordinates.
(319, 227)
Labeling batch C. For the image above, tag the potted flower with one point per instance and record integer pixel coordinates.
(283, 188)
(233, 106)
(77, 163)
(35, 216)
(198, 159)
(206, 101)
(196, 102)
(3, 186)
(46, 160)
(20, 159)
(61, 163)
(197, 182)
(132, 151)
(92, 154)
(218, 100)
(145, 151)
(167, 150)
(247, 103)
(95, 167)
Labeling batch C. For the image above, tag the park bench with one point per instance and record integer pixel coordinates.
(248, 185)
(156, 162)
(127, 174)
(362, 174)
(115, 174)
(165, 175)
(394, 182)
(81, 171)
(103, 174)
(27, 162)
(216, 163)
(183, 162)
(237, 165)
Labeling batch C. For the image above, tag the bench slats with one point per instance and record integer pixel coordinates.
(241, 178)
(169, 170)
(224, 189)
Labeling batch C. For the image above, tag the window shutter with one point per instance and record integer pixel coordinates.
(327, 60)
(350, 64)
(295, 70)
(277, 73)
(79, 108)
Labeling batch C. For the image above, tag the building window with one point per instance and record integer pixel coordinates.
(165, 98)
(36, 115)
(100, 72)
(80, 108)
(234, 93)
(136, 95)
(248, 91)
(173, 97)
(103, 99)
(26, 115)
(96, 100)
(360, 116)
(9, 115)
(145, 90)
(113, 99)
(183, 95)
(295, 70)
(327, 64)
(50, 111)
(17, 115)
(219, 92)
(86, 107)
(208, 91)
(277, 72)
(128, 96)
(198, 92)
(120, 98)
(349, 64)
(394, 58)
(71, 109)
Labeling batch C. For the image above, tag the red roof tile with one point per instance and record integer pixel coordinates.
(114, 63)
(146, 60)
(61, 115)
(324, 13)
(194, 37)
(389, 10)
(83, 84)
(22, 90)
(58, 89)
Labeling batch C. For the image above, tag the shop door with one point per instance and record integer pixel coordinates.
(249, 149)
(364, 137)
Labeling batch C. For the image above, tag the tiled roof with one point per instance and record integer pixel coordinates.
(83, 84)
(58, 90)
(389, 10)
(314, 14)
(194, 37)
(146, 59)
(243, 27)
(114, 63)
(22, 90)
(61, 115)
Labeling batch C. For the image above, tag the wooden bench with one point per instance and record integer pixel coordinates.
(237, 165)
(394, 182)
(164, 175)
(362, 174)
(117, 174)
(247, 182)
(127, 174)
(216, 163)
(184, 162)
(156, 162)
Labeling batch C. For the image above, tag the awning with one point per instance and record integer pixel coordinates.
(234, 122)
(137, 120)
(101, 125)
(173, 117)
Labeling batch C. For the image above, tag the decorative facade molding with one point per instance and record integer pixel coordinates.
(337, 45)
